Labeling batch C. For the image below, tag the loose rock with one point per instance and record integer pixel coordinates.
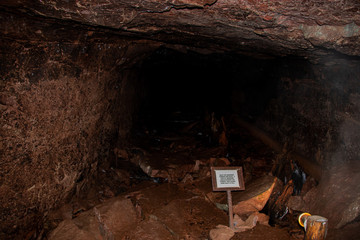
(221, 232)
(69, 230)
(254, 198)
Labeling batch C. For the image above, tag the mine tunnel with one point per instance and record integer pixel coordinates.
(114, 115)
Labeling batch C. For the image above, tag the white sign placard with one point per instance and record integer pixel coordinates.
(227, 178)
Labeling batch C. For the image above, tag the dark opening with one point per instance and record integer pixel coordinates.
(193, 84)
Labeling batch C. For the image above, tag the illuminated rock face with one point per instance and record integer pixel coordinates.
(282, 27)
(68, 90)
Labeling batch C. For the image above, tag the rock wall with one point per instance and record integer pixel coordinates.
(317, 110)
(65, 97)
(281, 27)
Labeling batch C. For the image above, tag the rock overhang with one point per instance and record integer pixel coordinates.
(273, 28)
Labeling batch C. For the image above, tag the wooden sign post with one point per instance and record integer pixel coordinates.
(228, 179)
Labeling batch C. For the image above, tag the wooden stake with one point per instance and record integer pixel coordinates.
(315, 227)
(231, 220)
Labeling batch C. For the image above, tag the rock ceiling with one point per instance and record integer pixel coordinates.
(305, 28)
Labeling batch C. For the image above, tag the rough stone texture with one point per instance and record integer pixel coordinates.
(263, 232)
(151, 229)
(164, 211)
(249, 223)
(317, 110)
(116, 217)
(350, 231)
(68, 230)
(65, 96)
(255, 196)
(63, 104)
(338, 198)
(262, 218)
(221, 232)
(280, 27)
(112, 219)
(184, 214)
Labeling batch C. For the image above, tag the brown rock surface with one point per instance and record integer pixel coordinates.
(280, 27)
(261, 232)
(250, 222)
(60, 112)
(167, 212)
(221, 232)
(182, 212)
(68, 90)
(112, 219)
(343, 207)
(116, 217)
(255, 196)
(68, 230)
(151, 229)
(262, 218)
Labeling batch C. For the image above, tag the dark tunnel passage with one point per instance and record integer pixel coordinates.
(115, 138)
(192, 109)
(196, 84)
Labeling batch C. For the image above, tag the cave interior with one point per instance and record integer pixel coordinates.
(112, 115)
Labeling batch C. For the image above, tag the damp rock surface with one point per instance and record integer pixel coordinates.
(70, 87)
(60, 115)
(344, 205)
(173, 214)
(279, 27)
(260, 231)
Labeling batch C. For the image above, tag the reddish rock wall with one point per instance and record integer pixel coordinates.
(317, 112)
(64, 99)
(317, 109)
(68, 90)
(281, 27)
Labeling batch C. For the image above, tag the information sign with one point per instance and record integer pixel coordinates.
(227, 178)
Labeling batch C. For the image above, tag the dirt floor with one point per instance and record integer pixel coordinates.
(167, 179)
